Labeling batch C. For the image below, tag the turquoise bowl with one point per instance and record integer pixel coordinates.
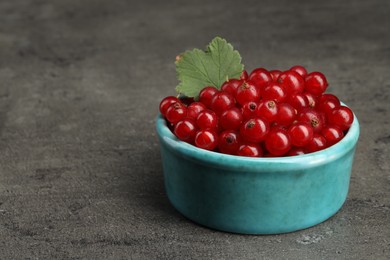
(256, 195)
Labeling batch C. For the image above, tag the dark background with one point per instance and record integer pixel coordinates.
(80, 84)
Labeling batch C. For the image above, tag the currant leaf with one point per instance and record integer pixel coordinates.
(197, 69)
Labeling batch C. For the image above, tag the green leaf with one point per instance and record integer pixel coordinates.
(197, 69)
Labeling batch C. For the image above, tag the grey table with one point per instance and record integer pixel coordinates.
(80, 83)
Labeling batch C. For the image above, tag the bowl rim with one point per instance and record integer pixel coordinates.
(231, 162)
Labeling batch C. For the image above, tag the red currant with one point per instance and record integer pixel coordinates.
(206, 139)
(313, 118)
(300, 134)
(266, 113)
(249, 110)
(166, 102)
(299, 101)
(250, 150)
(207, 119)
(342, 117)
(316, 83)
(316, 144)
(296, 151)
(278, 142)
(274, 92)
(311, 98)
(254, 130)
(185, 129)
(206, 95)
(194, 109)
(221, 102)
(268, 110)
(175, 112)
(328, 96)
(332, 134)
(300, 70)
(326, 103)
(260, 77)
(231, 119)
(286, 114)
(292, 82)
(247, 92)
(275, 74)
(231, 86)
(229, 142)
(244, 75)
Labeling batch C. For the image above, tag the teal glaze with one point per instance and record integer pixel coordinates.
(256, 195)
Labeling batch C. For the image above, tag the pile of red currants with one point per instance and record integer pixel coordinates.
(263, 114)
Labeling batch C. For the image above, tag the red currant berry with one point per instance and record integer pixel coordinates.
(326, 103)
(342, 117)
(298, 101)
(316, 83)
(300, 70)
(185, 129)
(231, 119)
(244, 75)
(274, 92)
(250, 150)
(260, 77)
(313, 118)
(175, 112)
(327, 106)
(327, 96)
(292, 82)
(249, 110)
(278, 142)
(247, 92)
(229, 142)
(206, 139)
(166, 102)
(194, 109)
(300, 134)
(206, 95)
(268, 110)
(332, 134)
(286, 114)
(254, 130)
(275, 75)
(311, 98)
(207, 119)
(296, 151)
(231, 86)
(316, 144)
(221, 102)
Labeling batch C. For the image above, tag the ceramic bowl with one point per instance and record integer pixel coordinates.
(256, 195)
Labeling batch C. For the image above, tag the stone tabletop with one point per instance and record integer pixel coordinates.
(80, 83)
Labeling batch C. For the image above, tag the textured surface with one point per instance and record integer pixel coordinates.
(80, 170)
